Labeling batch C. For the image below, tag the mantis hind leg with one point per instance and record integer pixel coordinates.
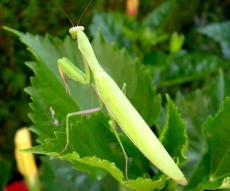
(113, 126)
(69, 115)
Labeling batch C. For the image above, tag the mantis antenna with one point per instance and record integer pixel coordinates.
(64, 13)
(69, 17)
(84, 12)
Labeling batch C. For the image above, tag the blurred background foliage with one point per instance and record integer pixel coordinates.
(110, 16)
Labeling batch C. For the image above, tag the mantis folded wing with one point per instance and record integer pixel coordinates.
(118, 106)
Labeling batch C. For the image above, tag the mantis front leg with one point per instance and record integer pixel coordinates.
(67, 68)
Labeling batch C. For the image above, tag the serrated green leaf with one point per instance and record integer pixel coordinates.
(142, 184)
(174, 135)
(93, 148)
(196, 107)
(189, 67)
(213, 171)
(218, 90)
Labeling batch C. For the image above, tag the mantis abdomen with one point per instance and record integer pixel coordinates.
(135, 127)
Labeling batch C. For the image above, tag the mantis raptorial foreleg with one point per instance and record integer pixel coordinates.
(67, 68)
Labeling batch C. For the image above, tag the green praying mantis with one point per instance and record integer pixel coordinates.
(119, 107)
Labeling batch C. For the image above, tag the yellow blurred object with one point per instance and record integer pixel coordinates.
(132, 7)
(25, 161)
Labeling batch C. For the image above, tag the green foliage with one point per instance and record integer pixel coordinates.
(196, 77)
(220, 32)
(213, 170)
(174, 135)
(188, 67)
(66, 178)
(5, 172)
(130, 33)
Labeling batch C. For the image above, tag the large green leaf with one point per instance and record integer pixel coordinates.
(195, 108)
(220, 32)
(93, 148)
(188, 67)
(174, 135)
(59, 176)
(218, 90)
(213, 171)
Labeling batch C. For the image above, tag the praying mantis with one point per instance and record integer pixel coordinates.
(118, 106)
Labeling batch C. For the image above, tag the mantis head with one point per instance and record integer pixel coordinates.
(74, 30)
